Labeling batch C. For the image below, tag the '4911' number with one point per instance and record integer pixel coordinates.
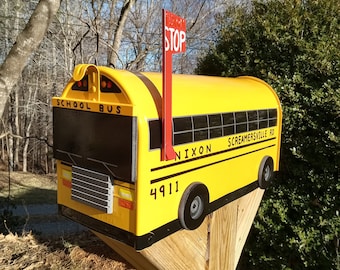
(164, 190)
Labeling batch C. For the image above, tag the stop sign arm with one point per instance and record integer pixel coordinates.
(173, 41)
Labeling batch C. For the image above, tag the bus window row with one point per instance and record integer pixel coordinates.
(195, 128)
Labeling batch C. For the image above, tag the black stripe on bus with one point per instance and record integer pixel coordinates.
(97, 225)
(159, 233)
(206, 165)
(209, 155)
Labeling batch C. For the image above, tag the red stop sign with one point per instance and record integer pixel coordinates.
(174, 33)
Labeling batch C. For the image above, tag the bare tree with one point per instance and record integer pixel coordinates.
(119, 31)
(33, 90)
(104, 21)
(142, 49)
(27, 42)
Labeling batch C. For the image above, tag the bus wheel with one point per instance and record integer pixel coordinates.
(266, 172)
(193, 206)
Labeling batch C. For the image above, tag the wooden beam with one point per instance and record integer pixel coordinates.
(216, 244)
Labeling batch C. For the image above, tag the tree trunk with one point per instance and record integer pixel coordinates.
(16, 129)
(30, 115)
(10, 146)
(27, 42)
(119, 31)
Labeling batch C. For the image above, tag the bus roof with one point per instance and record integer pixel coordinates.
(191, 94)
(195, 94)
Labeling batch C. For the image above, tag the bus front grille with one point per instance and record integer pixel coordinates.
(92, 188)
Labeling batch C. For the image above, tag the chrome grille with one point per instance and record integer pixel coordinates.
(92, 188)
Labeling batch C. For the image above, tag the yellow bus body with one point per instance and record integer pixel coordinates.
(223, 130)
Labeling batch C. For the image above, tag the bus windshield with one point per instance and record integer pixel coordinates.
(103, 142)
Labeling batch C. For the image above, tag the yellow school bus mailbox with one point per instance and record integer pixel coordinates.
(107, 143)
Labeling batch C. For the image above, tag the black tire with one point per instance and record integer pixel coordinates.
(266, 172)
(193, 206)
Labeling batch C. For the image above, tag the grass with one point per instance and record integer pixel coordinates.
(83, 251)
(27, 188)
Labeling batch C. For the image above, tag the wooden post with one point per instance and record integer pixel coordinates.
(216, 244)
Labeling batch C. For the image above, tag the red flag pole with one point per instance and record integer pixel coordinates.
(176, 25)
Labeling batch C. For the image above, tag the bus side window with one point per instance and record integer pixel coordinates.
(155, 132)
(263, 118)
(215, 125)
(272, 117)
(201, 127)
(182, 130)
(253, 122)
(241, 122)
(228, 124)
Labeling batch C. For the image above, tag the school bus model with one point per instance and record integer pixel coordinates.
(107, 143)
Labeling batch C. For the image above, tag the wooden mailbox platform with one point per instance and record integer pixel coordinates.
(216, 244)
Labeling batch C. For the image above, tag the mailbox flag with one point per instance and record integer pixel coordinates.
(174, 35)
